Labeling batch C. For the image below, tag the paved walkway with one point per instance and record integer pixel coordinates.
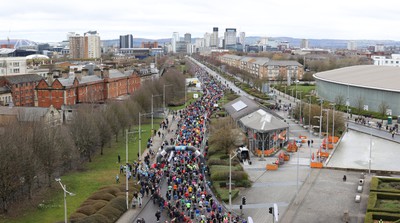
(131, 214)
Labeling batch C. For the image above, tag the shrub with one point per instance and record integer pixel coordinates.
(96, 218)
(243, 183)
(87, 210)
(372, 217)
(114, 190)
(77, 215)
(99, 204)
(119, 203)
(102, 196)
(111, 213)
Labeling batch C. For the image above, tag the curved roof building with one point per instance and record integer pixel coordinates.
(368, 85)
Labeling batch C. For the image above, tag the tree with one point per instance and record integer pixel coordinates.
(360, 104)
(383, 107)
(339, 101)
(221, 135)
(10, 166)
(85, 134)
(104, 129)
(112, 120)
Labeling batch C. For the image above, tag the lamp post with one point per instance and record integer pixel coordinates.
(327, 126)
(230, 184)
(300, 119)
(333, 124)
(370, 151)
(292, 92)
(285, 91)
(140, 134)
(152, 112)
(309, 121)
(165, 85)
(64, 187)
(320, 119)
(127, 161)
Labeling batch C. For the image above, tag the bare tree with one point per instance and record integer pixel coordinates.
(104, 129)
(360, 104)
(221, 135)
(85, 134)
(383, 107)
(10, 167)
(112, 120)
(339, 101)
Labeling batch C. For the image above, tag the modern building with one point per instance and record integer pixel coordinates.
(207, 39)
(175, 38)
(94, 44)
(22, 88)
(188, 38)
(264, 68)
(230, 38)
(365, 86)
(393, 61)
(379, 47)
(84, 47)
(126, 41)
(150, 44)
(78, 48)
(242, 38)
(214, 38)
(180, 47)
(352, 45)
(12, 66)
(304, 44)
(79, 88)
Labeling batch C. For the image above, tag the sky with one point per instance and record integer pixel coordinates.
(51, 20)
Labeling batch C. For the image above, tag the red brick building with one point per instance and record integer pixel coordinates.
(104, 85)
(22, 88)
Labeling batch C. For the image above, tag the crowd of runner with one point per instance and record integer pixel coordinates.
(187, 197)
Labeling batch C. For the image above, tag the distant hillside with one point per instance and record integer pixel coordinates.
(295, 42)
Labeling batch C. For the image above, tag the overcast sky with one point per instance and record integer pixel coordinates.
(50, 20)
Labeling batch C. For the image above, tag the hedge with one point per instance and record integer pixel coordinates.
(377, 182)
(224, 175)
(374, 197)
(372, 217)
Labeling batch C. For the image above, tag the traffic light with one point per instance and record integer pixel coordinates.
(271, 210)
(241, 207)
(244, 200)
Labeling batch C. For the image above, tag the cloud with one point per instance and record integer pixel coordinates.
(49, 20)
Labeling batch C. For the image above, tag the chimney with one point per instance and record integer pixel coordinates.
(49, 79)
(65, 74)
(85, 72)
(78, 75)
(97, 72)
(106, 73)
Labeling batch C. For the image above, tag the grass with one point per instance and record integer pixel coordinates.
(189, 101)
(100, 172)
(388, 204)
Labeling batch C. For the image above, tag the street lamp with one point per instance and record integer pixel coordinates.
(64, 187)
(140, 134)
(309, 121)
(152, 111)
(320, 119)
(292, 93)
(327, 126)
(230, 184)
(165, 85)
(126, 169)
(301, 121)
(333, 124)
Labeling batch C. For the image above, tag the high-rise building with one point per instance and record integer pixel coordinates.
(242, 38)
(214, 38)
(126, 41)
(188, 38)
(78, 47)
(230, 38)
(304, 44)
(207, 39)
(351, 45)
(94, 44)
(175, 38)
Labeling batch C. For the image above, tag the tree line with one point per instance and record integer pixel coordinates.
(33, 153)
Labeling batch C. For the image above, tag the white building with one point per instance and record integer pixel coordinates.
(214, 38)
(12, 66)
(199, 42)
(242, 38)
(230, 37)
(379, 47)
(304, 44)
(207, 40)
(351, 45)
(94, 46)
(394, 61)
(175, 38)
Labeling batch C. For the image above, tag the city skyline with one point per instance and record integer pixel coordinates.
(50, 21)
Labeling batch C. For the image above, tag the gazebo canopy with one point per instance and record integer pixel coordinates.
(262, 121)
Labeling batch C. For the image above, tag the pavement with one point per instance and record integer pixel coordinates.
(147, 210)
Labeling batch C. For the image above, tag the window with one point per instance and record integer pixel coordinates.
(16, 70)
(16, 64)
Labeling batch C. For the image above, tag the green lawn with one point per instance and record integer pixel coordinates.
(100, 172)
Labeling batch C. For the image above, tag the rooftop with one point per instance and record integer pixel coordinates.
(370, 76)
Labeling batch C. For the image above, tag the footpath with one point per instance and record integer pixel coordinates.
(131, 214)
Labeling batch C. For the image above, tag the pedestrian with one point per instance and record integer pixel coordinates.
(344, 178)
(158, 215)
(119, 158)
(117, 179)
(312, 142)
(393, 134)
(308, 142)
